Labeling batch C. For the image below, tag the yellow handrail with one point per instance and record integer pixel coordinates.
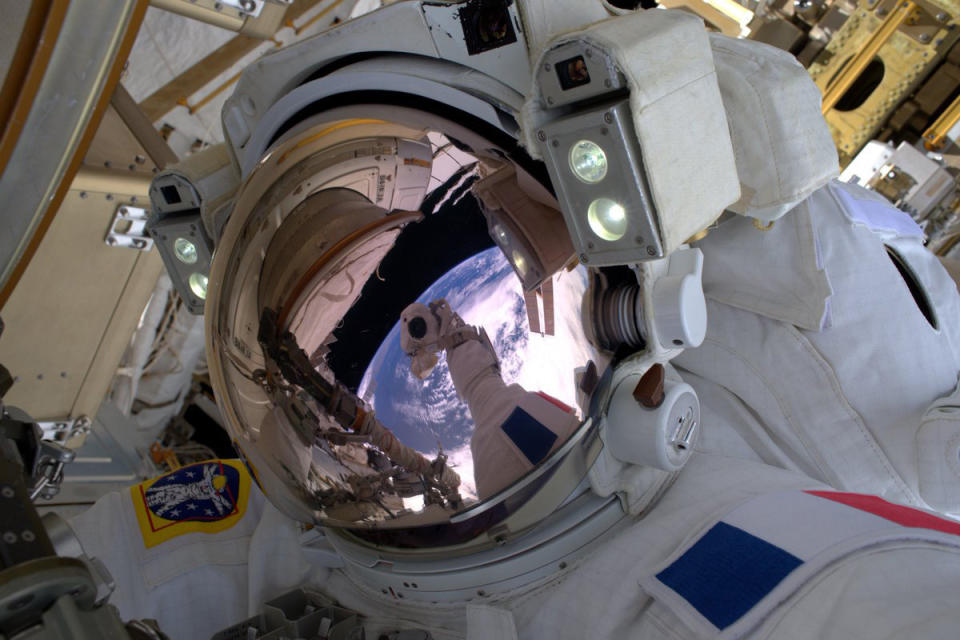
(936, 136)
(843, 81)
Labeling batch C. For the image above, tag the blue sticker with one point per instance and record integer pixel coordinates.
(727, 572)
(532, 438)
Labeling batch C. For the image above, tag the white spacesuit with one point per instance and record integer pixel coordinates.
(826, 376)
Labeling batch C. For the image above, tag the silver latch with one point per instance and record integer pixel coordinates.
(251, 8)
(129, 228)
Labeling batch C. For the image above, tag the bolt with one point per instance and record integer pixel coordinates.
(139, 159)
(123, 211)
(651, 251)
(547, 66)
(541, 135)
(248, 5)
(924, 37)
(942, 17)
(39, 376)
(83, 194)
(9, 537)
(584, 259)
(111, 240)
(608, 118)
(7, 492)
(28, 536)
(556, 143)
(563, 565)
(109, 196)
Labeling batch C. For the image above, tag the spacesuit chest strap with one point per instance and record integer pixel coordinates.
(737, 571)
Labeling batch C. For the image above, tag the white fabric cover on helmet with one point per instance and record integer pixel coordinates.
(783, 147)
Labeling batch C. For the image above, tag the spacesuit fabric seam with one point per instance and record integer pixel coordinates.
(662, 624)
(814, 455)
(769, 137)
(830, 376)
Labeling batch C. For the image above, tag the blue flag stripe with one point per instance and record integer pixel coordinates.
(727, 572)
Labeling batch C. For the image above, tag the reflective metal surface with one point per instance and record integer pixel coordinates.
(311, 227)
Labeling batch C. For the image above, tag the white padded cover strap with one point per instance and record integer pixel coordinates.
(783, 147)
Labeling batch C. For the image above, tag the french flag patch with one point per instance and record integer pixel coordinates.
(726, 580)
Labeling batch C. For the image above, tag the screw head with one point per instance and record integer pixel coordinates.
(651, 251)
(608, 118)
(9, 537)
(924, 37)
(942, 17)
(7, 492)
(584, 259)
(28, 536)
(541, 135)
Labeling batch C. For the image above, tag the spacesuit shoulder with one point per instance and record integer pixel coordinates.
(753, 562)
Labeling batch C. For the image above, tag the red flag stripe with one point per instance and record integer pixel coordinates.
(905, 516)
(555, 402)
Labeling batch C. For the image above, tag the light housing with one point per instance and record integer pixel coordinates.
(523, 224)
(662, 127)
(177, 229)
(594, 159)
(612, 219)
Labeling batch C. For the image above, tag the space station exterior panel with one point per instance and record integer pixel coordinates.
(902, 62)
